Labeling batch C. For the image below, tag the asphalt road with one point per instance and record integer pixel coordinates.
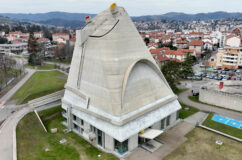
(183, 98)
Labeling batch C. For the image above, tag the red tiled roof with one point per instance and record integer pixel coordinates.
(56, 34)
(175, 59)
(196, 43)
(42, 40)
(209, 43)
(181, 42)
(61, 43)
(186, 50)
(196, 33)
(162, 58)
(155, 51)
(172, 52)
(230, 36)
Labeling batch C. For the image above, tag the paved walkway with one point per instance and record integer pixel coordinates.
(10, 93)
(8, 133)
(196, 118)
(183, 98)
(172, 138)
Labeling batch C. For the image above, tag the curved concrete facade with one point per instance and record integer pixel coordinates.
(99, 66)
(115, 89)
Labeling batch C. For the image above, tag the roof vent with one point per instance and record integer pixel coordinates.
(113, 9)
(88, 19)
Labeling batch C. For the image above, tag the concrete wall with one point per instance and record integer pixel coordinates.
(157, 125)
(221, 99)
(133, 142)
(109, 142)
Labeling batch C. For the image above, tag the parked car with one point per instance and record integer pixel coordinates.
(220, 78)
(226, 69)
(233, 78)
(189, 77)
(231, 74)
(195, 93)
(211, 77)
(219, 68)
(223, 72)
(204, 74)
(198, 78)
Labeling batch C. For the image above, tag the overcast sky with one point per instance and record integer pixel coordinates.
(134, 7)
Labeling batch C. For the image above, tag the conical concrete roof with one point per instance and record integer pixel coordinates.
(112, 68)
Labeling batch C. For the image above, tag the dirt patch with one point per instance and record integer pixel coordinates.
(51, 116)
(62, 77)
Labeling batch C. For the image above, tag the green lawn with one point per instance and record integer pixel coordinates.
(200, 145)
(43, 67)
(222, 127)
(32, 141)
(194, 99)
(65, 61)
(40, 84)
(186, 113)
(207, 71)
(180, 90)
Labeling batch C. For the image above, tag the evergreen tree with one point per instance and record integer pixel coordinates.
(172, 73)
(187, 69)
(147, 41)
(35, 57)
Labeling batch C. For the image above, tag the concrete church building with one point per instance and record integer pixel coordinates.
(116, 96)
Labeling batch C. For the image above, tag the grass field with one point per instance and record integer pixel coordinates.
(180, 90)
(43, 67)
(32, 141)
(186, 113)
(194, 99)
(40, 84)
(65, 61)
(222, 127)
(201, 146)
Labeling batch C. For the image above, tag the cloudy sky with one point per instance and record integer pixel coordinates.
(134, 7)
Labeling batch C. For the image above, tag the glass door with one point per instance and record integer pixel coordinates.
(100, 137)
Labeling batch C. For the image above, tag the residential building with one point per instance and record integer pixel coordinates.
(57, 37)
(18, 48)
(196, 45)
(115, 93)
(38, 35)
(182, 44)
(229, 57)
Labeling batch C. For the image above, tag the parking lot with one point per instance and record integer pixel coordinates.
(217, 74)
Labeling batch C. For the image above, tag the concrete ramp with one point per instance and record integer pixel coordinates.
(197, 118)
(151, 145)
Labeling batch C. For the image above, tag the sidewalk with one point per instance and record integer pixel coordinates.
(172, 138)
(11, 92)
(183, 98)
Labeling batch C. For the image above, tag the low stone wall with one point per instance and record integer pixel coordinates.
(221, 99)
(46, 99)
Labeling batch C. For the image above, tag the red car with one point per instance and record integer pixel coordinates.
(233, 78)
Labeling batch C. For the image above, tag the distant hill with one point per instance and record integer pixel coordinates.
(75, 20)
(6, 20)
(47, 16)
(63, 23)
(176, 16)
